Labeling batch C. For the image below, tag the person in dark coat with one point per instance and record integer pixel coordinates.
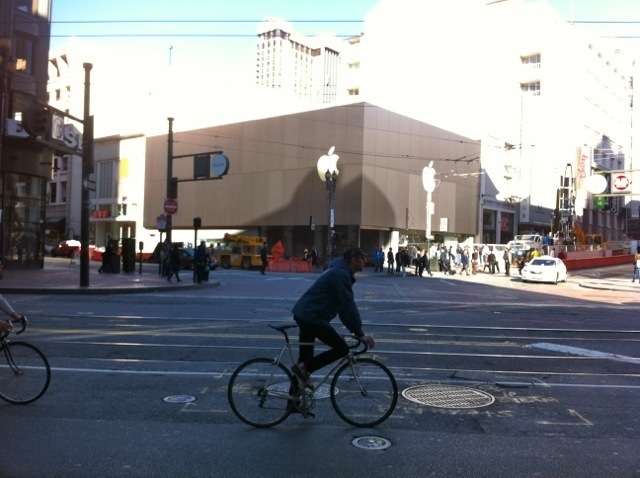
(390, 261)
(201, 260)
(330, 295)
(174, 263)
(263, 258)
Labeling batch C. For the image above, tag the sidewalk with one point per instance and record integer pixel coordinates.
(614, 278)
(62, 276)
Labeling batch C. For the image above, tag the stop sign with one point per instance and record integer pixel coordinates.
(170, 206)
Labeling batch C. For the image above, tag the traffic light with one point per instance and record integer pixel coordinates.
(36, 120)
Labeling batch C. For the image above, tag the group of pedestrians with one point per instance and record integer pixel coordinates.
(461, 259)
(398, 263)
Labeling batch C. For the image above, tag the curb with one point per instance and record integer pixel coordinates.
(93, 290)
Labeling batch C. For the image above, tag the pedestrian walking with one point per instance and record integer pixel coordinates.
(464, 260)
(636, 268)
(263, 258)
(390, 262)
(174, 263)
(507, 262)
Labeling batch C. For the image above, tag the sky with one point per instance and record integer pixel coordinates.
(207, 47)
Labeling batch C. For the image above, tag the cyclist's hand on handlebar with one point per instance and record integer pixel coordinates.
(368, 341)
(5, 326)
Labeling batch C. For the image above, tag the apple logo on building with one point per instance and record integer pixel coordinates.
(328, 162)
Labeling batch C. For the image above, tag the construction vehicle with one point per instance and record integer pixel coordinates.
(240, 251)
(523, 243)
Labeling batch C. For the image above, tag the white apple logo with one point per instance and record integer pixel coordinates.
(328, 163)
(428, 178)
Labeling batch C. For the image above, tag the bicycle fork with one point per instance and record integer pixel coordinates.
(356, 377)
(12, 364)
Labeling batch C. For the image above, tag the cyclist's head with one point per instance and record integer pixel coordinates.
(354, 252)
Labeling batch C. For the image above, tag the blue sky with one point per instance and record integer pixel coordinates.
(236, 22)
(132, 54)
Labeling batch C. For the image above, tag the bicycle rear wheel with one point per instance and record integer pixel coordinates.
(25, 375)
(364, 393)
(259, 392)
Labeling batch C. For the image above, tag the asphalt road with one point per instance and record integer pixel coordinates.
(559, 361)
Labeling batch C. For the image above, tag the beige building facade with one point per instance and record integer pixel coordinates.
(272, 186)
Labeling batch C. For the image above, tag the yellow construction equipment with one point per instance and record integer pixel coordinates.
(240, 251)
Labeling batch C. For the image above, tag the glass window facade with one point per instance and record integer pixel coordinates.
(23, 212)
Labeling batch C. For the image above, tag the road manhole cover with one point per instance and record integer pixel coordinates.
(371, 443)
(448, 396)
(179, 399)
(321, 392)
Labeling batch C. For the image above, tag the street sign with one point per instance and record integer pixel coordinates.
(170, 206)
(620, 183)
(89, 185)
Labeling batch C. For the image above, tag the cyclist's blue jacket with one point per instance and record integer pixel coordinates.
(330, 295)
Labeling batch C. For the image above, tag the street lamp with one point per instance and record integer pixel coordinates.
(328, 173)
(429, 184)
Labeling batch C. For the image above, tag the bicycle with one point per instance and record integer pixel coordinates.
(263, 392)
(26, 375)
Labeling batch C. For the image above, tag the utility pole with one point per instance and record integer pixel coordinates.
(87, 169)
(171, 184)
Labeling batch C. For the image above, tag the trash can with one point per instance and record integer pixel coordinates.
(128, 255)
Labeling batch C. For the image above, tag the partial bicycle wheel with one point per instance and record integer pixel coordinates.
(367, 397)
(259, 392)
(24, 373)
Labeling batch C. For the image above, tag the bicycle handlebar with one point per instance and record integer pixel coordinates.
(22, 321)
(358, 344)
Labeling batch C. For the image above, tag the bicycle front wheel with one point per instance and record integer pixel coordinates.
(25, 374)
(364, 393)
(260, 392)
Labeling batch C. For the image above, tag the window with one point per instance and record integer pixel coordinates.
(53, 191)
(24, 54)
(24, 5)
(533, 60)
(532, 88)
(106, 180)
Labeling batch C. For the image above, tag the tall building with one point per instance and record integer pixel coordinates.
(64, 204)
(25, 127)
(292, 63)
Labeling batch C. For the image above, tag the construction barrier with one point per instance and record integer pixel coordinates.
(289, 265)
(588, 263)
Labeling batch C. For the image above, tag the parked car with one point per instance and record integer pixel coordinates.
(186, 259)
(545, 269)
(66, 248)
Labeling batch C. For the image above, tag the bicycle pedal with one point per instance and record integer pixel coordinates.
(308, 414)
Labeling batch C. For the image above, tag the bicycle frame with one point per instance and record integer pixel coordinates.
(350, 357)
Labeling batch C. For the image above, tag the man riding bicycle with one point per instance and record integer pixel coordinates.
(330, 295)
(5, 325)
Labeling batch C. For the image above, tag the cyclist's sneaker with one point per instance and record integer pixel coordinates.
(307, 414)
(303, 377)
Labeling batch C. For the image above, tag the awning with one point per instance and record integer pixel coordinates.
(55, 222)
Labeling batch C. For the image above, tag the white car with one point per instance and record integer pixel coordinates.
(544, 269)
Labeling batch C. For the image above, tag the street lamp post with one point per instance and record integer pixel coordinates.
(429, 184)
(328, 173)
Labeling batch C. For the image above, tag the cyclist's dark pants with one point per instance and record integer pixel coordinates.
(327, 335)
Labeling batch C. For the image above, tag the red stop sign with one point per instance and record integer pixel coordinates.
(170, 206)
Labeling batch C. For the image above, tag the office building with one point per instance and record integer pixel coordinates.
(25, 127)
